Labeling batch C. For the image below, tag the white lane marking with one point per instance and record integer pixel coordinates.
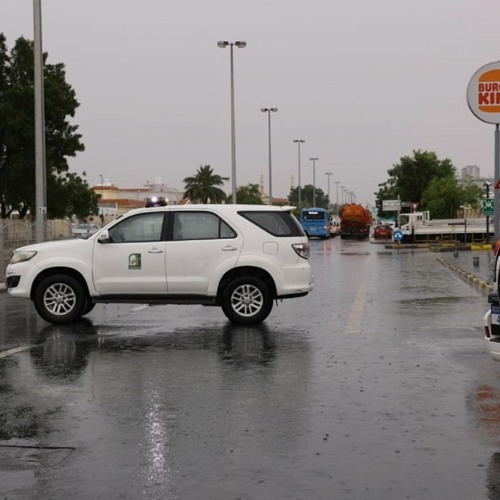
(15, 350)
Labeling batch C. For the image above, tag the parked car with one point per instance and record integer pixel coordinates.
(382, 231)
(239, 257)
(84, 230)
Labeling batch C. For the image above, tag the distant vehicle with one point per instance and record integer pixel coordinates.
(316, 222)
(334, 226)
(382, 231)
(84, 230)
(355, 222)
(418, 227)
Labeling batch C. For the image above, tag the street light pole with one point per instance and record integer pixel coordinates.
(337, 196)
(314, 180)
(269, 111)
(487, 187)
(102, 197)
(40, 169)
(329, 175)
(240, 45)
(299, 142)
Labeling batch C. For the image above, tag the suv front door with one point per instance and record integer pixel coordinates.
(133, 262)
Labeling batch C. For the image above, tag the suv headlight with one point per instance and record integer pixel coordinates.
(21, 256)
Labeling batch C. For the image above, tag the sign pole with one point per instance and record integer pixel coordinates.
(496, 196)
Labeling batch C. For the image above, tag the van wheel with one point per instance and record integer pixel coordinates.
(60, 299)
(247, 301)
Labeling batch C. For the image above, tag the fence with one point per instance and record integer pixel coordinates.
(17, 233)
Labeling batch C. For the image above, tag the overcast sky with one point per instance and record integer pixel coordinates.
(363, 82)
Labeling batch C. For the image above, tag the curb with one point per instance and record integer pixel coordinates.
(468, 277)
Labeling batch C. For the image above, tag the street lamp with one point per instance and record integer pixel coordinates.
(269, 111)
(40, 158)
(314, 179)
(299, 142)
(240, 45)
(337, 197)
(102, 198)
(328, 174)
(487, 187)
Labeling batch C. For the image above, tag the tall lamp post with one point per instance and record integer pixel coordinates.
(328, 174)
(487, 187)
(299, 142)
(269, 111)
(40, 170)
(337, 196)
(240, 45)
(102, 198)
(314, 179)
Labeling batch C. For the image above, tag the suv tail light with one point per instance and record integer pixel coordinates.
(301, 249)
(487, 333)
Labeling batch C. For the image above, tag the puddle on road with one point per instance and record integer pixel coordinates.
(16, 457)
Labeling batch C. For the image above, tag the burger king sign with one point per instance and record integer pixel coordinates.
(483, 93)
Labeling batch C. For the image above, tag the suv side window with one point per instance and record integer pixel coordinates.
(199, 226)
(142, 227)
(275, 223)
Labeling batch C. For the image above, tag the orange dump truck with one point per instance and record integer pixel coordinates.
(355, 222)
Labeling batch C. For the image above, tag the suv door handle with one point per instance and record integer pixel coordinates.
(155, 250)
(229, 249)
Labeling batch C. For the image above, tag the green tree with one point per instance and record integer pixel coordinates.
(306, 197)
(72, 197)
(249, 195)
(445, 197)
(411, 177)
(203, 187)
(17, 142)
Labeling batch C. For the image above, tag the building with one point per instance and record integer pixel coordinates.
(115, 200)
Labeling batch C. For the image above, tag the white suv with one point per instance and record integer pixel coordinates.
(239, 257)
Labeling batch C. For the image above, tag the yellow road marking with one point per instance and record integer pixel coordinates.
(356, 312)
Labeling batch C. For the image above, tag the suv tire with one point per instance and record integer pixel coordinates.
(247, 300)
(59, 298)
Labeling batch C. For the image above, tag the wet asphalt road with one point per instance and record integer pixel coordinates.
(375, 386)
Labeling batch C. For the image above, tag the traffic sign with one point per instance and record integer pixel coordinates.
(397, 235)
(488, 206)
(391, 205)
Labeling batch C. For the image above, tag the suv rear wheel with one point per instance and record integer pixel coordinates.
(247, 301)
(60, 299)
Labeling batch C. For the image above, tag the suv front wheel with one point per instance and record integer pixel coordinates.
(247, 301)
(60, 299)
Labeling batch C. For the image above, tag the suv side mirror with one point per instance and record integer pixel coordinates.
(103, 237)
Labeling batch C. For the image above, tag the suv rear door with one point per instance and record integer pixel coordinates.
(200, 245)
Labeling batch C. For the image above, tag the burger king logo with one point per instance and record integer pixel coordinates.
(483, 93)
(488, 92)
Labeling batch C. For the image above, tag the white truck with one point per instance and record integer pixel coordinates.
(417, 227)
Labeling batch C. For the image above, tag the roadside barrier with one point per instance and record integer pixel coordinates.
(468, 277)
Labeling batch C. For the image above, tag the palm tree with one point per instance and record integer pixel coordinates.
(249, 195)
(203, 186)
